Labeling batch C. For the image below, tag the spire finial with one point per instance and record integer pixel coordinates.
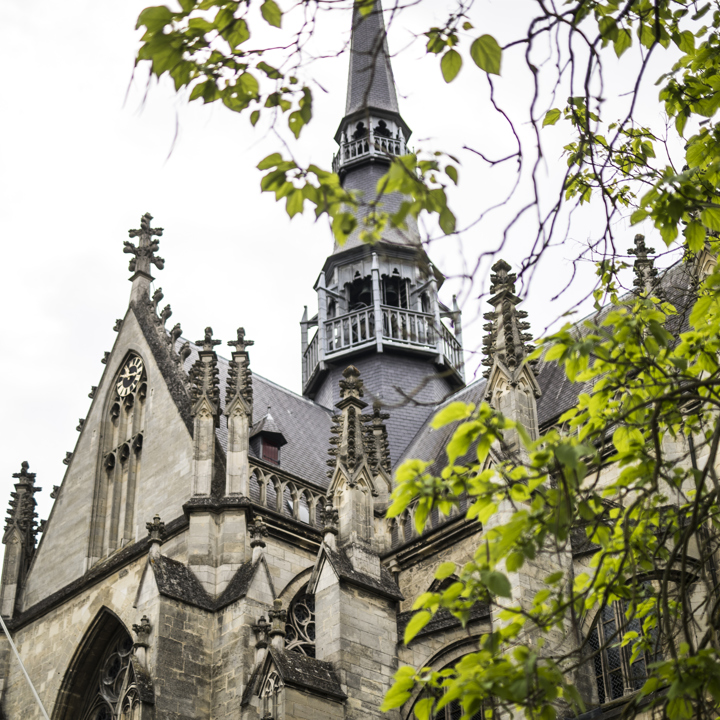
(241, 344)
(351, 386)
(21, 513)
(644, 266)
(208, 342)
(506, 338)
(144, 256)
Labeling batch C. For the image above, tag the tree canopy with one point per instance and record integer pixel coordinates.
(633, 466)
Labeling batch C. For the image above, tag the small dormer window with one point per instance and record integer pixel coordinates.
(270, 451)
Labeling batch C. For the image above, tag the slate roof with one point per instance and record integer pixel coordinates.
(306, 672)
(177, 581)
(303, 423)
(370, 79)
(344, 569)
(442, 620)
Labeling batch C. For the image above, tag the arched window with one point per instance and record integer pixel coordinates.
(114, 693)
(269, 696)
(300, 625)
(121, 446)
(101, 682)
(614, 673)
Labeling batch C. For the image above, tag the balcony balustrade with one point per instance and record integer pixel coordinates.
(371, 144)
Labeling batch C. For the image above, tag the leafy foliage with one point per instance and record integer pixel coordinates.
(632, 467)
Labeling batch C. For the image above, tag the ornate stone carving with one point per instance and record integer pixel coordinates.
(184, 352)
(165, 314)
(175, 333)
(142, 630)
(646, 274)
(258, 532)
(106, 357)
(204, 374)
(157, 299)
(278, 618)
(329, 517)
(156, 529)
(92, 392)
(55, 492)
(68, 458)
(117, 325)
(80, 424)
(506, 337)
(300, 626)
(262, 632)
(240, 376)
(351, 385)
(148, 245)
(21, 512)
(377, 446)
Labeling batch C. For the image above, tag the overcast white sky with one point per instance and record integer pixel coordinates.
(80, 163)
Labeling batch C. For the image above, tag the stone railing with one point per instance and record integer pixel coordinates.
(402, 528)
(351, 330)
(370, 145)
(311, 358)
(408, 326)
(288, 496)
(453, 352)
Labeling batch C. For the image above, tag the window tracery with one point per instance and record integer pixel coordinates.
(121, 446)
(113, 694)
(269, 694)
(615, 674)
(300, 625)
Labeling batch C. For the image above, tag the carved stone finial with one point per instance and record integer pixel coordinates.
(502, 280)
(208, 342)
(175, 333)
(142, 630)
(144, 251)
(376, 438)
(204, 374)
(184, 352)
(262, 632)
(117, 325)
(241, 343)
(165, 314)
(278, 617)
(506, 338)
(644, 266)
(240, 376)
(21, 513)
(157, 298)
(258, 531)
(156, 529)
(351, 385)
(329, 518)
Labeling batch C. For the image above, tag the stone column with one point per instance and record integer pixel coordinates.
(377, 303)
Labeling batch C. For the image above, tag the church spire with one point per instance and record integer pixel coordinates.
(372, 132)
(370, 80)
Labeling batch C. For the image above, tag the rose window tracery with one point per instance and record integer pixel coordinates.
(114, 693)
(300, 626)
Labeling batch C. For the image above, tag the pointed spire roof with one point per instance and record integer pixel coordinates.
(370, 81)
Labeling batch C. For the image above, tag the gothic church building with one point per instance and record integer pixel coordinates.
(217, 547)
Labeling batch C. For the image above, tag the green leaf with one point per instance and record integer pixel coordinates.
(452, 413)
(254, 117)
(294, 203)
(154, 18)
(497, 583)
(423, 708)
(452, 173)
(487, 54)
(417, 623)
(622, 42)
(445, 570)
(695, 236)
(270, 161)
(711, 218)
(272, 13)
(551, 117)
(450, 65)
(447, 221)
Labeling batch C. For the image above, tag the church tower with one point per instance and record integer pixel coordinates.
(378, 305)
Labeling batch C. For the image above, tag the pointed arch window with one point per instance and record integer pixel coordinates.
(114, 694)
(300, 625)
(270, 696)
(615, 674)
(121, 444)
